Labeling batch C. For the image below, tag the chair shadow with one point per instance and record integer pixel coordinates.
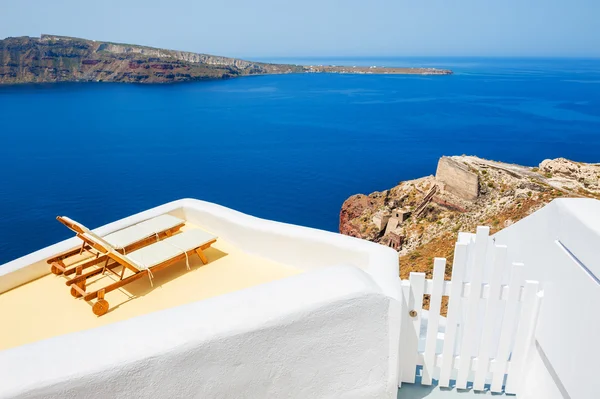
(142, 286)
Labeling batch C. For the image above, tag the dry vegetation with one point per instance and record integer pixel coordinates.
(508, 193)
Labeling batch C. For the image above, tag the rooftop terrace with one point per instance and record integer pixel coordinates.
(310, 314)
(43, 308)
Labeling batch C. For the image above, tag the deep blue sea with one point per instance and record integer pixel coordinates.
(290, 148)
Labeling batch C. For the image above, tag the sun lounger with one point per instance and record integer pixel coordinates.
(125, 240)
(142, 262)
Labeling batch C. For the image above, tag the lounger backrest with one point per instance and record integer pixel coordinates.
(124, 260)
(73, 225)
(101, 244)
(96, 241)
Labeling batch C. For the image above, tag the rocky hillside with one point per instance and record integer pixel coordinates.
(421, 218)
(60, 59)
(56, 59)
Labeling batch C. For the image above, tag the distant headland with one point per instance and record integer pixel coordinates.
(52, 58)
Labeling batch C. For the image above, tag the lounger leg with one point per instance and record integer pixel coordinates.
(77, 292)
(81, 284)
(82, 248)
(101, 306)
(105, 264)
(202, 256)
(58, 267)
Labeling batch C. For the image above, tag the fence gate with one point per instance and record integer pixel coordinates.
(490, 319)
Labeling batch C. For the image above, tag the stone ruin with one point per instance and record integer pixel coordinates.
(451, 176)
(456, 178)
(380, 219)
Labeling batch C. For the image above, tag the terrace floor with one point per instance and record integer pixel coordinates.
(44, 308)
(418, 391)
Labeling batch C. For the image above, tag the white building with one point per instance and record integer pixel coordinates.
(287, 311)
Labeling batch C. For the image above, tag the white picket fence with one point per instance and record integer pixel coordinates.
(489, 328)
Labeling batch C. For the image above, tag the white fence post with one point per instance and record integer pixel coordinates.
(500, 363)
(435, 304)
(413, 327)
(458, 270)
(472, 305)
(491, 316)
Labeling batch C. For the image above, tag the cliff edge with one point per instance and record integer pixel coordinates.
(62, 59)
(421, 218)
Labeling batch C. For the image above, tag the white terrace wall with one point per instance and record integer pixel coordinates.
(329, 333)
(560, 246)
(301, 247)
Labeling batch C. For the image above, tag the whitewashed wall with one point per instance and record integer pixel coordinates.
(560, 246)
(328, 333)
(322, 334)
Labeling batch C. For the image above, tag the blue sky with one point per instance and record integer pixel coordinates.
(279, 28)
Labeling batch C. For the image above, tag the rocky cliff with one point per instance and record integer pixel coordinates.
(421, 218)
(59, 59)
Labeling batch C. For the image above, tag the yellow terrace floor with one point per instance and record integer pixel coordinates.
(44, 308)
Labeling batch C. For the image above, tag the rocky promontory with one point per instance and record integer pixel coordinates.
(52, 58)
(421, 218)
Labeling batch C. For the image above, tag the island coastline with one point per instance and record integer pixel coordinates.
(51, 58)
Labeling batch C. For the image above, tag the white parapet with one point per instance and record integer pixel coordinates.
(320, 334)
(560, 246)
(332, 331)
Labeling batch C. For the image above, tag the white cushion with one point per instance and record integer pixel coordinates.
(152, 255)
(190, 239)
(169, 248)
(138, 232)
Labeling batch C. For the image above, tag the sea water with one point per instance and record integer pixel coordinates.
(290, 148)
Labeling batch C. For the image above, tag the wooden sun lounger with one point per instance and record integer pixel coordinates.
(142, 262)
(125, 240)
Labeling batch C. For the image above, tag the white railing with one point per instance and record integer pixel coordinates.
(490, 323)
